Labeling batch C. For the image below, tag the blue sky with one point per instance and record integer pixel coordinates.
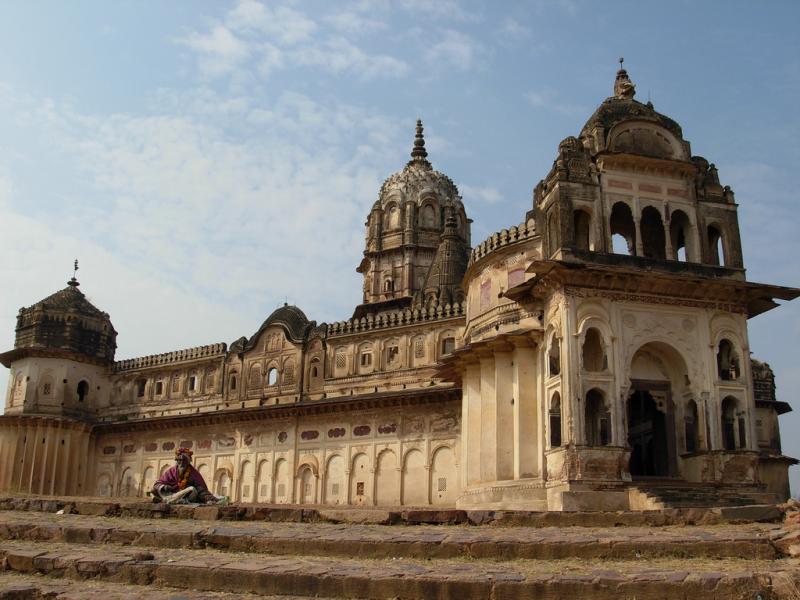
(207, 160)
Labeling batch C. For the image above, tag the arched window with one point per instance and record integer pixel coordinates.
(729, 423)
(393, 217)
(552, 233)
(272, 376)
(83, 390)
(554, 357)
(233, 382)
(727, 361)
(582, 221)
(654, 243)
(555, 420)
(388, 285)
(680, 236)
(598, 419)
(594, 356)
(690, 427)
(428, 217)
(623, 230)
(716, 247)
(140, 387)
(448, 345)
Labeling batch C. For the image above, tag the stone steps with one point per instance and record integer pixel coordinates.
(15, 586)
(217, 571)
(661, 495)
(98, 548)
(412, 542)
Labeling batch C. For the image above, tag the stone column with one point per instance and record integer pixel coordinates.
(471, 424)
(504, 405)
(488, 442)
(527, 426)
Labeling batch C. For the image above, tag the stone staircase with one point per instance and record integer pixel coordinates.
(659, 494)
(69, 548)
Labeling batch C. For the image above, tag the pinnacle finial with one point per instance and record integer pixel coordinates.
(418, 153)
(624, 88)
(74, 282)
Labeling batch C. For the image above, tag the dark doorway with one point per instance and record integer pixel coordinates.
(651, 433)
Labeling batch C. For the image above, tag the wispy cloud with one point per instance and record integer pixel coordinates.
(255, 39)
(454, 49)
(488, 195)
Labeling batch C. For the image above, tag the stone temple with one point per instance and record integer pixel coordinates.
(594, 355)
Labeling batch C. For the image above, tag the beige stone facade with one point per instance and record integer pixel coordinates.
(569, 362)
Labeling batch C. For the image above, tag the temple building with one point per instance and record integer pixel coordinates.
(594, 355)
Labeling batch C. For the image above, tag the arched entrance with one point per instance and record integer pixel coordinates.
(651, 431)
(658, 372)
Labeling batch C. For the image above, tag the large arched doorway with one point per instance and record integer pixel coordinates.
(649, 434)
(658, 373)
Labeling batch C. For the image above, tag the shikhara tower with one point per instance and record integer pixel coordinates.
(593, 356)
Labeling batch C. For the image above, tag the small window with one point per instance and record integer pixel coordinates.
(272, 376)
(159, 388)
(392, 354)
(140, 387)
(419, 348)
(341, 360)
(192, 383)
(176, 384)
(334, 489)
(448, 345)
(83, 390)
(314, 372)
(359, 488)
(554, 357)
(366, 359)
(46, 389)
(555, 421)
(388, 285)
(281, 490)
(442, 487)
(233, 383)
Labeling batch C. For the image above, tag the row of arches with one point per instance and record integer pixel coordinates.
(594, 356)
(391, 481)
(650, 231)
(646, 407)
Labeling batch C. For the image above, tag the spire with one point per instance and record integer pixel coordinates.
(623, 86)
(74, 282)
(418, 153)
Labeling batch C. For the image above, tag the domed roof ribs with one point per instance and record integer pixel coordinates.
(447, 270)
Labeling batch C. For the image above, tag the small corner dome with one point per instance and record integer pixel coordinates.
(623, 124)
(293, 321)
(67, 321)
(418, 177)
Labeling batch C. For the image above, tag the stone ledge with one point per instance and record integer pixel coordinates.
(399, 516)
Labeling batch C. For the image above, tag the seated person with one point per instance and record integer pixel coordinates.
(183, 483)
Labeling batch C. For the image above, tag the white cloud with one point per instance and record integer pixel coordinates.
(352, 22)
(441, 9)
(283, 25)
(488, 195)
(511, 28)
(456, 49)
(220, 51)
(338, 54)
(257, 40)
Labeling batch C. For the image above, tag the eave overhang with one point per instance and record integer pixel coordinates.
(647, 280)
(11, 356)
(434, 395)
